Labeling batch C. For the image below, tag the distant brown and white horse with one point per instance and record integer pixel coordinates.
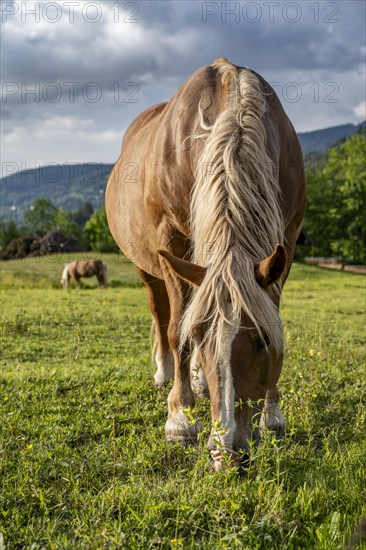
(213, 211)
(85, 268)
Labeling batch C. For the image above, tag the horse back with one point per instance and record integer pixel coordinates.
(162, 148)
(87, 268)
(141, 121)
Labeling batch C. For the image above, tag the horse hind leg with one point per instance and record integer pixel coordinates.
(101, 283)
(181, 425)
(77, 281)
(103, 277)
(272, 417)
(159, 306)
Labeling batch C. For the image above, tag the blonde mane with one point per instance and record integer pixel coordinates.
(236, 219)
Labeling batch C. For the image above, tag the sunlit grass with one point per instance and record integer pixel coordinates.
(83, 459)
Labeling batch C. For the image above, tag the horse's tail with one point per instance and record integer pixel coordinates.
(236, 219)
(105, 274)
(65, 276)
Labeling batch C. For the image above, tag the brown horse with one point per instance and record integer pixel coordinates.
(207, 199)
(85, 268)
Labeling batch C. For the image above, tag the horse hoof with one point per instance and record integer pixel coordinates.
(160, 380)
(228, 459)
(279, 431)
(164, 373)
(180, 430)
(274, 422)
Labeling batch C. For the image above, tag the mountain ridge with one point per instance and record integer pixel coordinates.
(318, 141)
(71, 185)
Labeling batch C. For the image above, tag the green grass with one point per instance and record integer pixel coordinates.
(83, 459)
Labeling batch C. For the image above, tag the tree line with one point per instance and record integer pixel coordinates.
(336, 188)
(334, 221)
(89, 226)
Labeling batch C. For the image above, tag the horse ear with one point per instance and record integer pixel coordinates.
(271, 269)
(188, 271)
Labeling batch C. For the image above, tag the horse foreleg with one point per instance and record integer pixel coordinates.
(181, 425)
(272, 417)
(102, 276)
(198, 379)
(159, 306)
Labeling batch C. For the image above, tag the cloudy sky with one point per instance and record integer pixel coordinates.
(76, 73)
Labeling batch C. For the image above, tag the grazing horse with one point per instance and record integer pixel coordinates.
(85, 268)
(207, 199)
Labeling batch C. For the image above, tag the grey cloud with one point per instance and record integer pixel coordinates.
(82, 51)
(168, 43)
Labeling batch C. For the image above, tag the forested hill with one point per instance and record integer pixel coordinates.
(68, 186)
(71, 185)
(319, 141)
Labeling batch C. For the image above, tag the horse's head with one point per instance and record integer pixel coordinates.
(65, 277)
(241, 354)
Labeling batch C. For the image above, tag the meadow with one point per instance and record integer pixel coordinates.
(83, 459)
